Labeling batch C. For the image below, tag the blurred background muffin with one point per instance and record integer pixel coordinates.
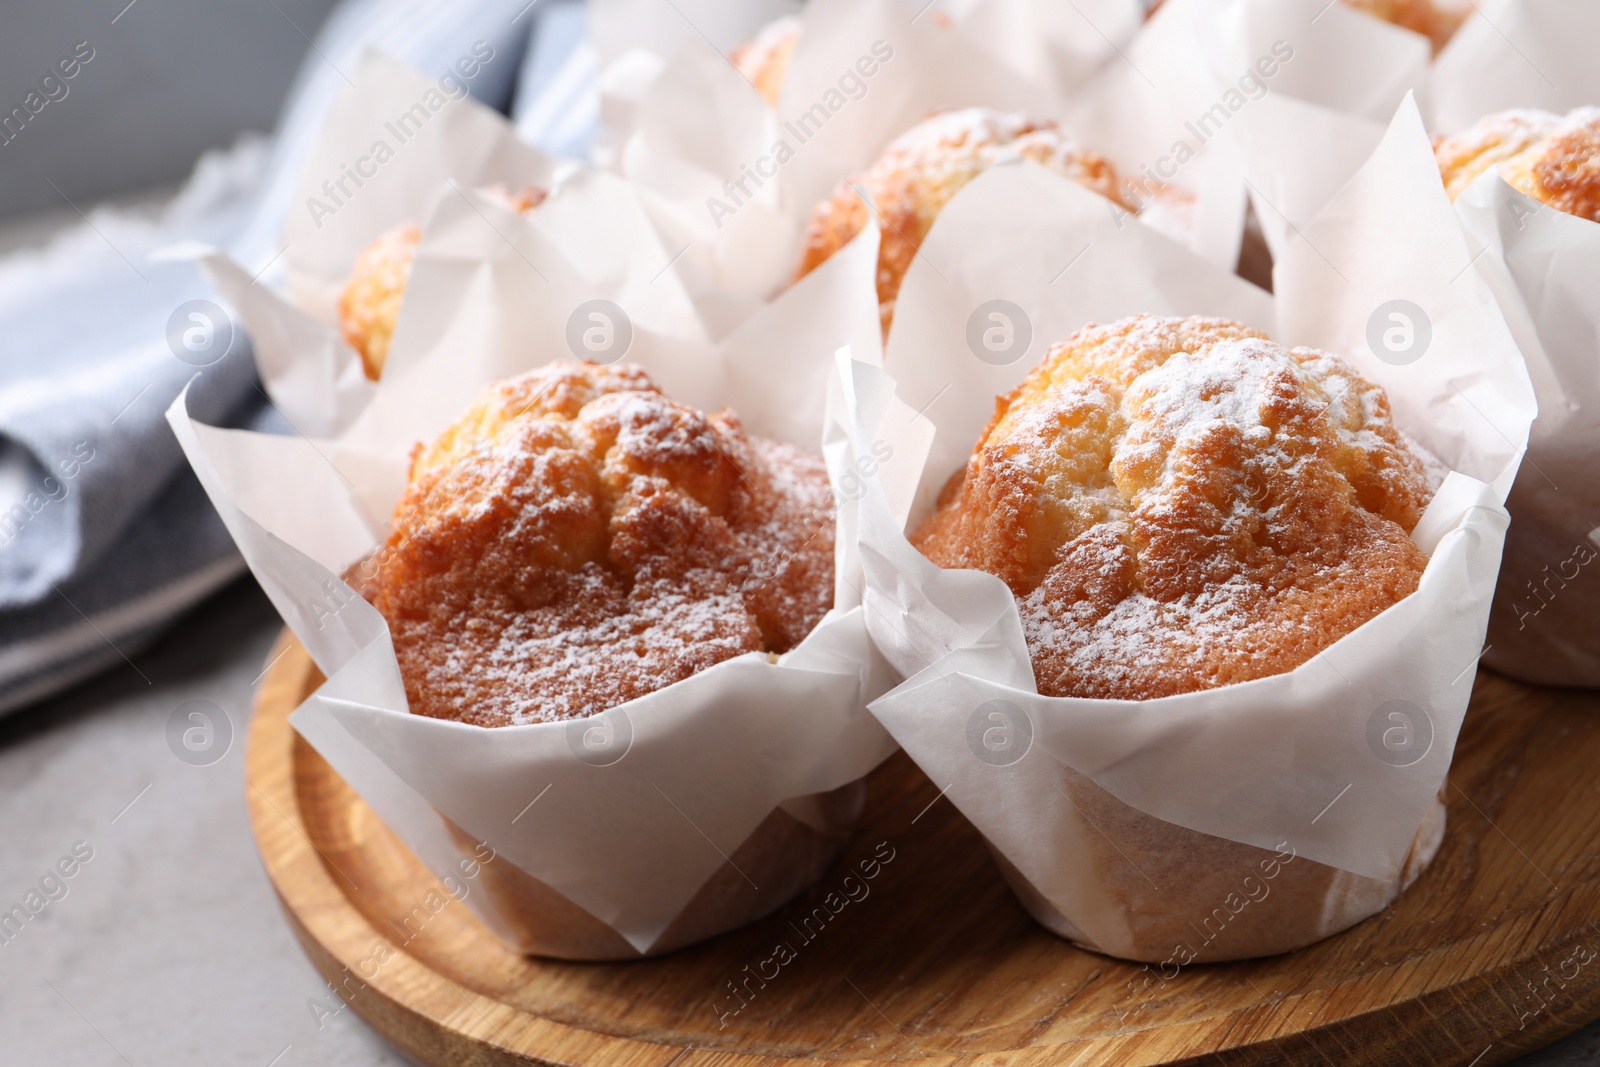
(369, 305)
(1545, 624)
(927, 165)
(764, 58)
(1553, 158)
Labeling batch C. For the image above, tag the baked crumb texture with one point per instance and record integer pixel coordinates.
(370, 302)
(1552, 158)
(922, 169)
(1179, 504)
(577, 540)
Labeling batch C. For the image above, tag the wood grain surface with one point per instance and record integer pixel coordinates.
(1495, 951)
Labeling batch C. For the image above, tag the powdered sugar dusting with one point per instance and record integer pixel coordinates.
(578, 540)
(1180, 504)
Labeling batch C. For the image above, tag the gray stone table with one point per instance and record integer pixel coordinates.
(168, 947)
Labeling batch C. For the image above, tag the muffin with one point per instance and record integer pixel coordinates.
(764, 58)
(578, 540)
(1181, 504)
(369, 304)
(1553, 158)
(927, 165)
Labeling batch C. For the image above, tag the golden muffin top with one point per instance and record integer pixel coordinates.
(1179, 504)
(1552, 158)
(577, 539)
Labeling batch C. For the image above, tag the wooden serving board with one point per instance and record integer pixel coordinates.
(1495, 951)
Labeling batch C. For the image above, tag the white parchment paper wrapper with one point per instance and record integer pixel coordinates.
(699, 765)
(1540, 264)
(696, 124)
(1544, 266)
(1050, 43)
(1299, 762)
(1146, 110)
(391, 143)
(1516, 53)
(1328, 105)
(404, 126)
(1322, 120)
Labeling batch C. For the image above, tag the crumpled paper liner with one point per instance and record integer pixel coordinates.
(1312, 763)
(1516, 53)
(783, 856)
(1544, 266)
(1290, 148)
(684, 122)
(431, 139)
(1265, 901)
(1321, 121)
(627, 817)
(312, 375)
(1141, 106)
(1540, 264)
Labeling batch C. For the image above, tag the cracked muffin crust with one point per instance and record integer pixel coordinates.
(1180, 504)
(577, 540)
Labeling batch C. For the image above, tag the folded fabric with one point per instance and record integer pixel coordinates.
(105, 536)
